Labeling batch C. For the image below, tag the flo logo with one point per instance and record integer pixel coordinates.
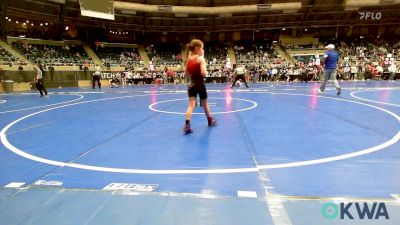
(355, 211)
(370, 15)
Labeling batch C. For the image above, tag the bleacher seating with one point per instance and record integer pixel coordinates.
(164, 55)
(216, 53)
(116, 56)
(7, 58)
(303, 47)
(255, 53)
(363, 51)
(67, 55)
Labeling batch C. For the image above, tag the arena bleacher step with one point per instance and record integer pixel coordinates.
(92, 55)
(143, 55)
(283, 53)
(17, 55)
(184, 52)
(231, 54)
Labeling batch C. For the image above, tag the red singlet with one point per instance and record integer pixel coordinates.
(193, 67)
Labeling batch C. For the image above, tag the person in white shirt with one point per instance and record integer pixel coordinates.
(39, 80)
(346, 72)
(136, 76)
(296, 72)
(240, 74)
(96, 76)
(274, 73)
(379, 68)
(289, 74)
(129, 77)
(215, 73)
(392, 70)
(353, 71)
(123, 78)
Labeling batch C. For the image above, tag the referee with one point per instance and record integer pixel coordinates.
(240, 73)
(96, 77)
(39, 80)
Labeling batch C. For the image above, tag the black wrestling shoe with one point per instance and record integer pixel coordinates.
(339, 90)
(186, 129)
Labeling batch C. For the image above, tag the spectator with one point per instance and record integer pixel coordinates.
(392, 71)
(354, 71)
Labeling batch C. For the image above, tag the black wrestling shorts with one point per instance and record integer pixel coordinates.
(195, 90)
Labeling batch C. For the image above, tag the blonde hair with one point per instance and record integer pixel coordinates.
(193, 44)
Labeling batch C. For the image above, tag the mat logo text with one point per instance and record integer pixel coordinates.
(131, 187)
(370, 15)
(362, 211)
